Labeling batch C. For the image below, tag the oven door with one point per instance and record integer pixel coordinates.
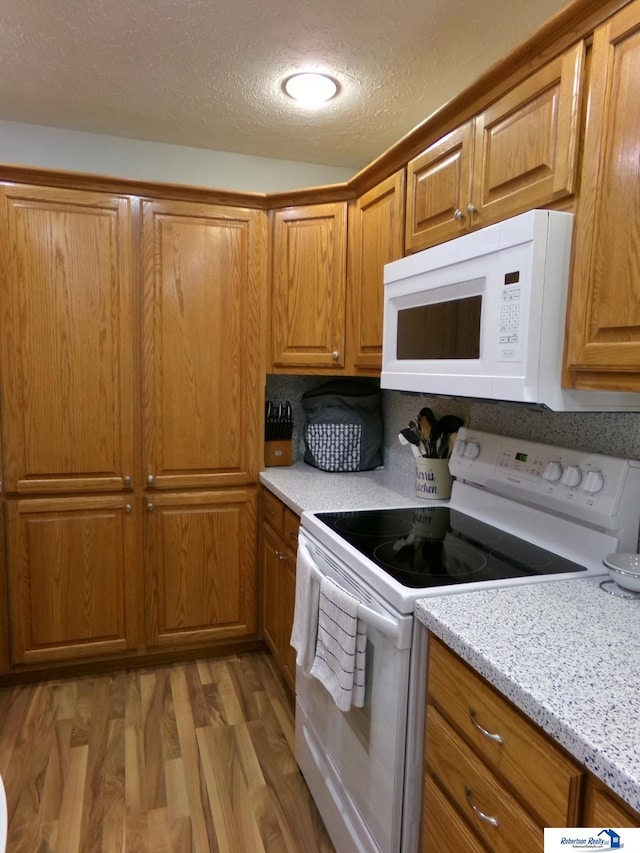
(354, 762)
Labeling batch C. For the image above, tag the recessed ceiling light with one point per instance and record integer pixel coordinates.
(310, 88)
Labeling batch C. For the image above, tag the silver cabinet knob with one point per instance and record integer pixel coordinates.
(128, 508)
(458, 215)
(150, 479)
(471, 208)
(150, 507)
(335, 355)
(126, 480)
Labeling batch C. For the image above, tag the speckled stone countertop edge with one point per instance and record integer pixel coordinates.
(602, 763)
(302, 487)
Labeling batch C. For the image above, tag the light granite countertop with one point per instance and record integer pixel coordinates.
(302, 487)
(568, 655)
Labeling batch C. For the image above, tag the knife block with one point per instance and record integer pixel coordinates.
(277, 453)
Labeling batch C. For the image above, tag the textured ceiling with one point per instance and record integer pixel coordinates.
(207, 73)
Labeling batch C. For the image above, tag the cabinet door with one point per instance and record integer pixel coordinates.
(603, 808)
(526, 143)
(72, 578)
(438, 190)
(308, 301)
(204, 282)
(272, 556)
(376, 237)
(604, 315)
(201, 567)
(67, 338)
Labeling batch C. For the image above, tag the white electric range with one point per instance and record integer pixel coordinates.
(520, 512)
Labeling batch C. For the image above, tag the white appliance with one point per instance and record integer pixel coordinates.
(520, 512)
(484, 315)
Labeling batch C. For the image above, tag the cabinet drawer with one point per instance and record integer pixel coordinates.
(496, 816)
(440, 821)
(273, 511)
(525, 758)
(291, 525)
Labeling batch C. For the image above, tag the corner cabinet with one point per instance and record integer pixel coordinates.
(376, 237)
(327, 281)
(603, 334)
(520, 152)
(309, 287)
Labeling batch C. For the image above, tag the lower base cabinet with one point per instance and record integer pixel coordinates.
(603, 808)
(72, 579)
(492, 779)
(77, 591)
(278, 558)
(502, 777)
(200, 582)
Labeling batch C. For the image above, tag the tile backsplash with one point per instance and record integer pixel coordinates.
(611, 433)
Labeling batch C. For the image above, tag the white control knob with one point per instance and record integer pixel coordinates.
(472, 450)
(552, 472)
(572, 476)
(593, 482)
(460, 447)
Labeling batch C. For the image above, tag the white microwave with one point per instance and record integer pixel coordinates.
(483, 316)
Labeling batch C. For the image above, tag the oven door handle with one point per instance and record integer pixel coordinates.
(385, 624)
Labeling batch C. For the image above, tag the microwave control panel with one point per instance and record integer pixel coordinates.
(509, 336)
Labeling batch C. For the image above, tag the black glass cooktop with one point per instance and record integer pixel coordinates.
(436, 546)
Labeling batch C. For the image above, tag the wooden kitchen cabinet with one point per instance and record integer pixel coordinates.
(279, 546)
(376, 237)
(132, 354)
(71, 578)
(523, 781)
(204, 279)
(519, 153)
(309, 287)
(603, 329)
(200, 581)
(67, 395)
(603, 808)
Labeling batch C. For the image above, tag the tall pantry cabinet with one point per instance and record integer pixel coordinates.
(125, 375)
(203, 291)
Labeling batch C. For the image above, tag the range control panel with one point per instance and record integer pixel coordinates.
(603, 491)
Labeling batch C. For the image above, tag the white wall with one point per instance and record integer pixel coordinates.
(76, 151)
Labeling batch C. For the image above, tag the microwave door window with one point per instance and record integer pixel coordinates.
(441, 330)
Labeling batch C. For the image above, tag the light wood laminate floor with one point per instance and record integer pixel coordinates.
(186, 758)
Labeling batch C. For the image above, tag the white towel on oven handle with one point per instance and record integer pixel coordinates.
(305, 614)
(340, 658)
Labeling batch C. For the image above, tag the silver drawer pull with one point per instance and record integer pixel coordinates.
(490, 735)
(485, 817)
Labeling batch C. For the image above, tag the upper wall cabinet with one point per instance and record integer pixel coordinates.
(376, 237)
(204, 284)
(519, 153)
(603, 334)
(67, 330)
(309, 283)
